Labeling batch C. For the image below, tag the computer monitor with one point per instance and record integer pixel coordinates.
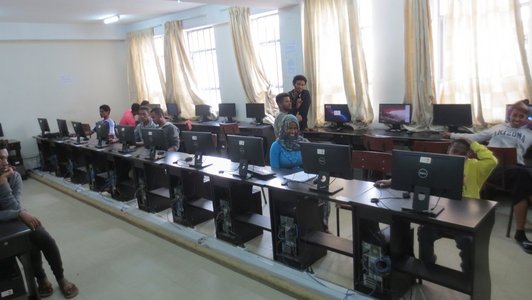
(152, 106)
(395, 115)
(172, 110)
(102, 133)
(63, 128)
(1, 131)
(246, 150)
(43, 124)
(126, 136)
(452, 115)
(203, 111)
(198, 143)
(427, 174)
(154, 139)
(337, 113)
(256, 111)
(326, 160)
(227, 110)
(78, 130)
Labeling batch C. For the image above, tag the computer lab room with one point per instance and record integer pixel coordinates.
(283, 149)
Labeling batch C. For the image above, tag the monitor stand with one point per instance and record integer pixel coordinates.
(396, 127)
(243, 172)
(198, 162)
(125, 149)
(323, 185)
(258, 121)
(421, 201)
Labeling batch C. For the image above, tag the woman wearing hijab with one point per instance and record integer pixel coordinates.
(285, 152)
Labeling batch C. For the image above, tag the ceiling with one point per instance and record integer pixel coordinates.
(93, 11)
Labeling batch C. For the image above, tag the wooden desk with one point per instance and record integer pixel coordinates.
(15, 241)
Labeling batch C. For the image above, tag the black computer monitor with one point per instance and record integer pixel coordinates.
(154, 139)
(246, 150)
(203, 111)
(152, 106)
(43, 124)
(326, 160)
(198, 143)
(126, 136)
(452, 115)
(227, 110)
(337, 113)
(102, 133)
(172, 110)
(78, 130)
(63, 128)
(395, 115)
(1, 131)
(256, 111)
(427, 174)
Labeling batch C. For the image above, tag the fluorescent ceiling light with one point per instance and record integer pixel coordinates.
(111, 19)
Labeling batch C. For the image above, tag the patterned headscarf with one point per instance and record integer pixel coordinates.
(290, 143)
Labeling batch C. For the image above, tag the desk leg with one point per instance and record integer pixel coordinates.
(481, 281)
(25, 260)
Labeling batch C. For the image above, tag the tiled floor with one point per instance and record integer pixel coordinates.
(111, 259)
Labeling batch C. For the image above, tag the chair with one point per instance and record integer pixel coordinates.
(507, 158)
(431, 146)
(377, 143)
(370, 161)
(225, 129)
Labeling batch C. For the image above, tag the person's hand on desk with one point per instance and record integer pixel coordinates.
(188, 124)
(445, 134)
(29, 220)
(385, 183)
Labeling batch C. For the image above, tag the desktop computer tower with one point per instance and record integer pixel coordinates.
(11, 280)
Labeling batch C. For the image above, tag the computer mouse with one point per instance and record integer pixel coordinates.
(188, 159)
(406, 195)
(160, 152)
(284, 183)
(374, 200)
(221, 172)
(378, 184)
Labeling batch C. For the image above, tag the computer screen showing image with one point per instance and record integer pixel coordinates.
(337, 113)
(452, 115)
(395, 115)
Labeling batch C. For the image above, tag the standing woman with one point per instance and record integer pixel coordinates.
(285, 152)
(300, 98)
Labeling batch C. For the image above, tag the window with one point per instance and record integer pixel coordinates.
(202, 52)
(265, 30)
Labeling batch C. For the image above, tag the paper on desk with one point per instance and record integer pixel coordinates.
(300, 176)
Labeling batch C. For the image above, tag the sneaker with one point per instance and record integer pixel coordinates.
(526, 245)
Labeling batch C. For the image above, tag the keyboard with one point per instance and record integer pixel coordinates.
(261, 171)
(51, 135)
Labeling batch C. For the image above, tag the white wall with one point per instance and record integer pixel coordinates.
(59, 79)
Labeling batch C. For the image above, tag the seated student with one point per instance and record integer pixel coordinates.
(129, 117)
(285, 105)
(145, 121)
(514, 134)
(10, 209)
(105, 112)
(170, 130)
(476, 171)
(285, 152)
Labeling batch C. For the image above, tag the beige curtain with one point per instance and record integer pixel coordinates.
(181, 85)
(145, 75)
(483, 64)
(256, 86)
(332, 42)
(419, 67)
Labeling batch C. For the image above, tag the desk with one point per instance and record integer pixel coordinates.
(15, 241)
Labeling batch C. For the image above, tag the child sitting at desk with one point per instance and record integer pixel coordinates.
(285, 152)
(476, 171)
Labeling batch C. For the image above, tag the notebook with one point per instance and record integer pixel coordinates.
(300, 176)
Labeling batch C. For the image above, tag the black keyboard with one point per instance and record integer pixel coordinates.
(264, 172)
(51, 135)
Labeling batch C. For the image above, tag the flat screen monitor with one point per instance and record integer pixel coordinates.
(154, 139)
(78, 130)
(172, 110)
(126, 136)
(1, 131)
(452, 115)
(326, 160)
(63, 128)
(337, 113)
(102, 133)
(203, 111)
(198, 143)
(256, 111)
(43, 124)
(227, 110)
(152, 106)
(246, 150)
(395, 115)
(427, 174)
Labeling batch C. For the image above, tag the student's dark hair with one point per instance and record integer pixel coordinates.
(144, 102)
(521, 106)
(158, 111)
(297, 78)
(105, 108)
(462, 142)
(144, 107)
(135, 108)
(3, 144)
(279, 98)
